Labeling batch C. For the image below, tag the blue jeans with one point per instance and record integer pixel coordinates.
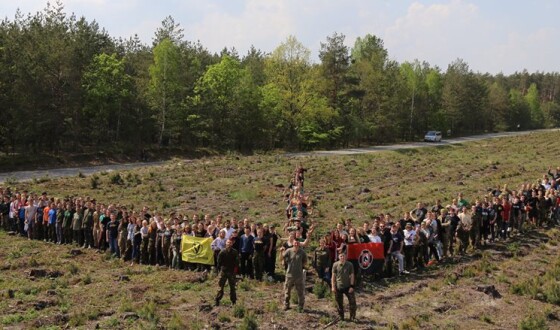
(114, 246)
(135, 251)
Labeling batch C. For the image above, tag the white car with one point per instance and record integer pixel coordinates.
(432, 136)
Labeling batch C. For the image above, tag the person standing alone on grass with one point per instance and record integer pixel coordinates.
(342, 283)
(228, 259)
(295, 260)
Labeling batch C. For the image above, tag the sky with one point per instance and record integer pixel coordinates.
(494, 36)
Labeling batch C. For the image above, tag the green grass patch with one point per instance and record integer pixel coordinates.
(244, 195)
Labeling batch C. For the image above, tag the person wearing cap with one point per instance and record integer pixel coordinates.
(342, 283)
(228, 261)
(396, 246)
(295, 259)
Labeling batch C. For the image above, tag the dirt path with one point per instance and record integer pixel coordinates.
(64, 172)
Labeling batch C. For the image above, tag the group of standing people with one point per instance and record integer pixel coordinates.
(428, 235)
(244, 248)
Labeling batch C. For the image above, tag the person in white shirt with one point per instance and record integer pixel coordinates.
(409, 234)
(374, 237)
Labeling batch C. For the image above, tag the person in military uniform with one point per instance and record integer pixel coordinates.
(228, 260)
(295, 260)
(322, 261)
(342, 283)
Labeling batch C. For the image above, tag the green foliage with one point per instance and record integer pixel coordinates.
(90, 90)
(94, 181)
(451, 278)
(176, 322)
(148, 311)
(321, 289)
(245, 285)
(12, 319)
(116, 179)
(533, 322)
(271, 306)
(249, 322)
(224, 318)
(239, 311)
(244, 195)
(87, 279)
(73, 268)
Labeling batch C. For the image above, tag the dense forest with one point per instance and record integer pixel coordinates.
(65, 85)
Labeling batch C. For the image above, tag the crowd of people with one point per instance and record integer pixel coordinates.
(422, 236)
(428, 235)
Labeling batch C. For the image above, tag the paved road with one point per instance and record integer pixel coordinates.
(413, 145)
(62, 172)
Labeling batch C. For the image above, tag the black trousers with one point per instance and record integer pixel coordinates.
(246, 267)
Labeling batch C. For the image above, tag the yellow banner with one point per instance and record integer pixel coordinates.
(197, 250)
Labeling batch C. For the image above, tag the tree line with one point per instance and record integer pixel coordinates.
(66, 85)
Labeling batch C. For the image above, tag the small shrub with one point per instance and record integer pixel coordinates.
(113, 322)
(320, 289)
(196, 324)
(73, 269)
(533, 322)
(324, 320)
(11, 181)
(125, 305)
(513, 248)
(239, 311)
(116, 179)
(486, 319)
(469, 272)
(451, 278)
(245, 285)
(249, 322)
(148, 311)
(77, 319)
(33, 262)
(15, 254)
(271, 306)
(176, 323)
(11, 319)
(94, 182)
(87, 279)
(551, 291)
(223, 318)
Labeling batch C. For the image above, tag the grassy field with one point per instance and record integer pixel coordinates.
(92, 290)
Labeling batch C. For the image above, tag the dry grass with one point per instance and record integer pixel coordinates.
(89, 293)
